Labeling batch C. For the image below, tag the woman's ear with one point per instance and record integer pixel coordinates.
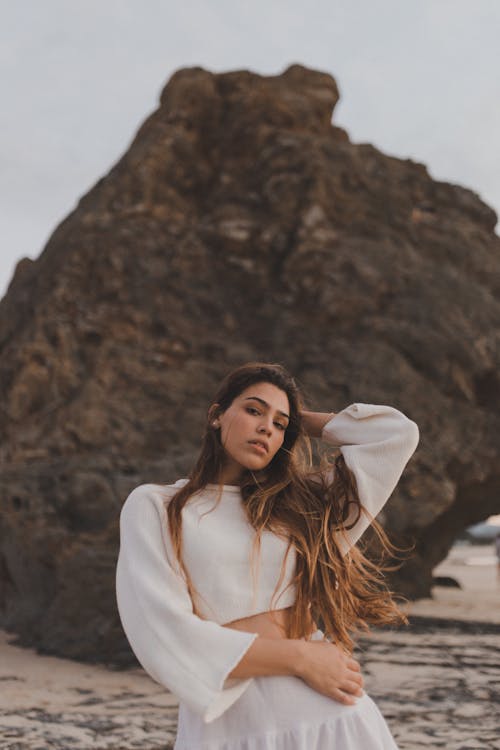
(212, 415)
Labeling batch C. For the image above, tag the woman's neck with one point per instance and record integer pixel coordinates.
(231, 473)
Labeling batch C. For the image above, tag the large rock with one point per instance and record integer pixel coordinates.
(241, 224)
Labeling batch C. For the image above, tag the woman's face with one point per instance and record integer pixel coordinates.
(259, 414)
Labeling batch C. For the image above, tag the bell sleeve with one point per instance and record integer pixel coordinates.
(377, 442)
(190, 656)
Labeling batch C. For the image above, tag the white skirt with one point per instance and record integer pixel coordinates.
(284, 713)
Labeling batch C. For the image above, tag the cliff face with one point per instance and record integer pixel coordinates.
(240, 224)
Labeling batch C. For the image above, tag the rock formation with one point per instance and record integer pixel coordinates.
(240, 224)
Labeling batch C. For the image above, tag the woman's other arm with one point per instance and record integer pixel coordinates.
(324, 666)
(190, 656)
(270, 656)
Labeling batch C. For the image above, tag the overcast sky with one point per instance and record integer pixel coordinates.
(417, 79)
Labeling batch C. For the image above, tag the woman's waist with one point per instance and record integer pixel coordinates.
(270, 624)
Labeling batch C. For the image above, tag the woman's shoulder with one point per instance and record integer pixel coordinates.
(153, 493)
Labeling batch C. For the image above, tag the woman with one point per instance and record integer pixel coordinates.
(221, 576)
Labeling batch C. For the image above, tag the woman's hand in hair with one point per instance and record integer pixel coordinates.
(314, 421)
(329, 670)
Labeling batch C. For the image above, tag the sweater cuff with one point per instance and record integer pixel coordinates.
(231, 688)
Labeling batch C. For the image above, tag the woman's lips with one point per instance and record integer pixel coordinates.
(258, 448)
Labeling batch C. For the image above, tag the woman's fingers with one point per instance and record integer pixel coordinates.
(353, 664)
(338, 675)
(341, 697)
(352, 688)
(357, 678)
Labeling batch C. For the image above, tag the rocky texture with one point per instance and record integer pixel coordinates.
(48, 702)
(240, 224)
(436, 688)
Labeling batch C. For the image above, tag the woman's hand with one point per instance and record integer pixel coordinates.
(314, 421)
(329, 670)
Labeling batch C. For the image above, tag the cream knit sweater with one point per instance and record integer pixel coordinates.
(192, 655)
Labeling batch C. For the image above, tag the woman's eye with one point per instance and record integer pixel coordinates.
(251, 410)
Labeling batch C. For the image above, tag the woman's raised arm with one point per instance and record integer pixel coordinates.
(377, 441)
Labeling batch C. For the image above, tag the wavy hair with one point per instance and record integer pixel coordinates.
(307, 504)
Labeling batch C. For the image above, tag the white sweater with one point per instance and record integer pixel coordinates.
(191, 655)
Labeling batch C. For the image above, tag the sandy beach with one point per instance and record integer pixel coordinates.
(436, 682)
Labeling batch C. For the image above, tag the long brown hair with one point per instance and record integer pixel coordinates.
(307, 503)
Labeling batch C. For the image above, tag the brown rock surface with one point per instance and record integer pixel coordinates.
(240, 224)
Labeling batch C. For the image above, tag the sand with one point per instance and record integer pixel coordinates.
(437, 682)
(474, 567)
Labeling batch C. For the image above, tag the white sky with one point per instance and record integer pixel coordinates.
(417, 79)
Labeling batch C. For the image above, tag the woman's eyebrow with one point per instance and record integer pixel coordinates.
(264, 403)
